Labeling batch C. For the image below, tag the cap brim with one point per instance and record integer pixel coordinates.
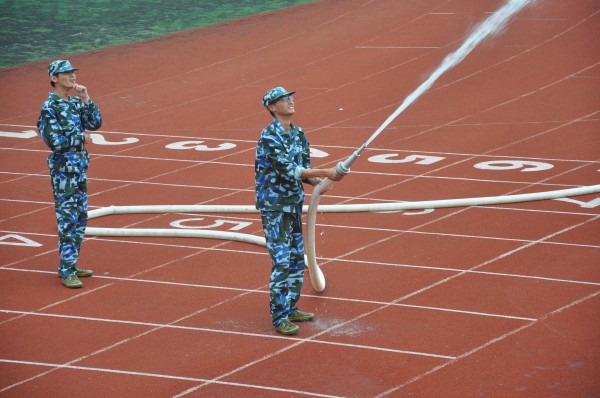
(281, 96)
(67, 71)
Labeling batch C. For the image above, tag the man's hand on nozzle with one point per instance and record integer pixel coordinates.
(333, 175)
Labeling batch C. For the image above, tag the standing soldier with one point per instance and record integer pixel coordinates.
(282, 165)
(62, 124)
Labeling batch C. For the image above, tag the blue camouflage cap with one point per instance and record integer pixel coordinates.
(60, 66)
(274, 94)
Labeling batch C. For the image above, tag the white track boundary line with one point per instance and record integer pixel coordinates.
(444, 234)
(163, 376)
(394, 150)
(512, 208)
(329, 259)
(398, 47)
(264, 292)
(363, 228)
(222, 331)
(467, 271)
(345, 147)
(368, 173)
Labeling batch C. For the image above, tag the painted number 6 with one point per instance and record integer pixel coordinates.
(524, 165)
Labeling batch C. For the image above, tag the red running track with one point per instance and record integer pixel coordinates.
(497, 301)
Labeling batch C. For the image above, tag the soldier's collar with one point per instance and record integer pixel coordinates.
(279, 126)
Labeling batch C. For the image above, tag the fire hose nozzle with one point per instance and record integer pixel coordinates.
(343, 168)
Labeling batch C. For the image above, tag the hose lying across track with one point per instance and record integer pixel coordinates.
(316, 275)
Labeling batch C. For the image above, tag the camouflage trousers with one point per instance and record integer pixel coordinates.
(71, 205)
(283, 233)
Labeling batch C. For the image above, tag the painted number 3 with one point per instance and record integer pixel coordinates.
(199, 146)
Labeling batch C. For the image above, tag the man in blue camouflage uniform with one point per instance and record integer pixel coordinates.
(282, 165)
(62, 124)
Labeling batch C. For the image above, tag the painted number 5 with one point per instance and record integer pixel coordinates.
(417, 159)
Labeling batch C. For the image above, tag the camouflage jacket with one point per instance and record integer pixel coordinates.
(62, 125)
(281, 158)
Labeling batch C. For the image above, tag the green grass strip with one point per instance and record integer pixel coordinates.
(32, 30)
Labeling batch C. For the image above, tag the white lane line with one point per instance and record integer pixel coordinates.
(373, 200)
(369, 173)
(444, 234)
(264, 292)
(468, 271)
(455, 123)
(160, 376)
(398, 47)
(328, 259)
(223, 331)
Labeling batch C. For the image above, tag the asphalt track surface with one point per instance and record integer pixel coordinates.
(496, 301)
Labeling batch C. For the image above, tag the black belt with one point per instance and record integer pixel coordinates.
(76, 148)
